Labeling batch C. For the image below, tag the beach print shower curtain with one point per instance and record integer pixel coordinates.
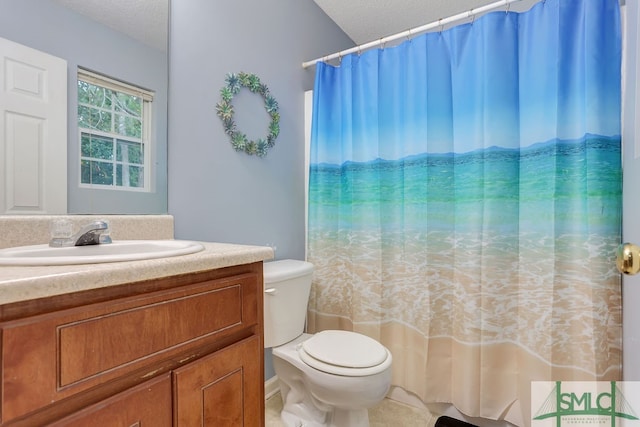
(465, 204)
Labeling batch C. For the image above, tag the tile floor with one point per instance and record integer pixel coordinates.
(389, 413)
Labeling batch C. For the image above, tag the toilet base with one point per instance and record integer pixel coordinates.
(303, 410)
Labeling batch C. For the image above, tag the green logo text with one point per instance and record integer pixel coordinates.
(610, 403)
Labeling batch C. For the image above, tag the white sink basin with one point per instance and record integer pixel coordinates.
(120, 250)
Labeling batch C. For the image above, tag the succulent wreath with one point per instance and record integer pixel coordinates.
(224, 109)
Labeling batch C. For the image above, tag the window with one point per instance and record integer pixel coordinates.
(114, 120)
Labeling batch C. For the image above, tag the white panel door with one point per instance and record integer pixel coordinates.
(631, 189)
(33, 131)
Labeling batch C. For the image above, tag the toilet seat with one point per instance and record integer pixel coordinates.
(344, 353)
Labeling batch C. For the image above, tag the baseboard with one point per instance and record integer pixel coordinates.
(400, 395)
(271, 387)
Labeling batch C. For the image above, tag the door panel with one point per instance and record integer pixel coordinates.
(223, 389)
(33, 131)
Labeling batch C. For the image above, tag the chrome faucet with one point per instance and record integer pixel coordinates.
(94, 233)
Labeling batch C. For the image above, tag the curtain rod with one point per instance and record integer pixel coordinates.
(412, 32)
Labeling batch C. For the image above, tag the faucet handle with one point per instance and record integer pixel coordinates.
(60, 231)
(105, 236)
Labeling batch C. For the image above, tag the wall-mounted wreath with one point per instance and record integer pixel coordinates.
(224, 109)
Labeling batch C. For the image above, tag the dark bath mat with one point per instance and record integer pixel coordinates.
(445, 421)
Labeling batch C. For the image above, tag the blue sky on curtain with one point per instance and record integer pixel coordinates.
(465, 204)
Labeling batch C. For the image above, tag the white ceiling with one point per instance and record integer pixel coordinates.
(362, 20)
(368, 20)
(143, 20)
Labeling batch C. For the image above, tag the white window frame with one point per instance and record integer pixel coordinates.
(146, 140)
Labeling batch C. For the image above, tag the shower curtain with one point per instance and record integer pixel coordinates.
(465, 204)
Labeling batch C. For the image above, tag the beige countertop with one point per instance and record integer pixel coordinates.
(28, 282)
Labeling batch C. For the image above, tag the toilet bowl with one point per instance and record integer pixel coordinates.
(315, 397)
(327, 379)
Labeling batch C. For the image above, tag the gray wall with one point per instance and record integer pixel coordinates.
(218, 194)
(46, 26)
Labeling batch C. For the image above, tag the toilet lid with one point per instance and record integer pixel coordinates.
(345, 349)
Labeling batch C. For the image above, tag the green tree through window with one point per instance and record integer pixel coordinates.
(113, 119)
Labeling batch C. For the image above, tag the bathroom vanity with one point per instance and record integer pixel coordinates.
(166, 342)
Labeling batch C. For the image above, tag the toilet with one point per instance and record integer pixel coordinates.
(326, 379)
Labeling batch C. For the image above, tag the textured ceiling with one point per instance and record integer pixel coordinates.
(368, 20)
(143, 20)
(362, 20)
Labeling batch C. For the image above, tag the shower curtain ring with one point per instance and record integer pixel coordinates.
(441, 26)
(508, 8)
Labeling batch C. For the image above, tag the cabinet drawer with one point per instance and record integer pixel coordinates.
(146, 405)
(70, 351)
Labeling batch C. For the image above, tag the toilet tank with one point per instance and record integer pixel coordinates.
(287, 284)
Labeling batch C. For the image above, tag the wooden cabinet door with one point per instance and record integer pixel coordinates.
(145, 405)
(47, 358)
(223, 389)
